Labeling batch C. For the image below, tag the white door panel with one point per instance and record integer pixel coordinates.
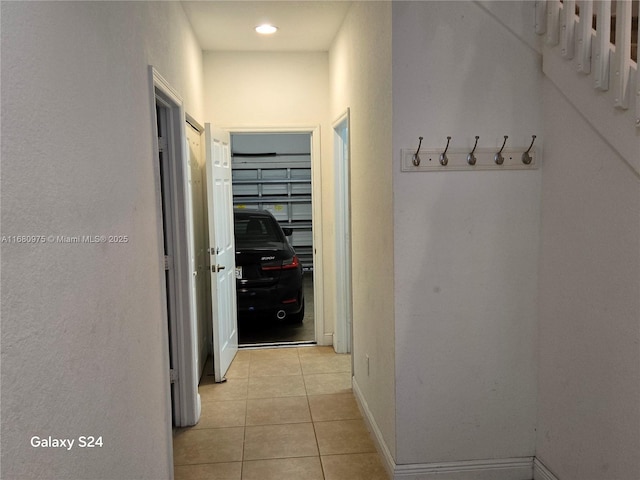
(222, 250)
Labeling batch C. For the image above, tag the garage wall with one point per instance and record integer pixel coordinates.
(466, 243)
(289, 200)
(361, 80)
(83, 335)
(256, 90)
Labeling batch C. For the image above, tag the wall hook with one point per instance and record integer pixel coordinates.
(499, 159)
(416, 158)
(526, 158)
(443, 156)
(471, 158)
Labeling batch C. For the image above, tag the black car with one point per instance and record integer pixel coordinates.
(268, 271)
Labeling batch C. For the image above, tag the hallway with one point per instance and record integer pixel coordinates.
(286, 413)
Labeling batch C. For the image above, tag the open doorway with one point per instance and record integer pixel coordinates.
(165, 161)
(272, 171)
(176, 247)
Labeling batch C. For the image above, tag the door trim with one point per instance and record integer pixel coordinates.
(187, 399)
(316, 216)
(342, 206)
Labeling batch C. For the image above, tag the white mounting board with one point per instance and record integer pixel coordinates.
(430, 160)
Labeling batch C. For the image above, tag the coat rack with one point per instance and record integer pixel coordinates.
(478, 158)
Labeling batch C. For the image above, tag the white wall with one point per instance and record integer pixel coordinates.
(259, 90)
(83, 335)
(466, 243)
(589, 368)
(517, 17)
(360, 60)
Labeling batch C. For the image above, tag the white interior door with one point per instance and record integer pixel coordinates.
(221, 250)
(197, 225)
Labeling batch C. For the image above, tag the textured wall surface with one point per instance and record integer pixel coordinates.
(361, 80)
(589, 373)
(466, 244)
(83, 331)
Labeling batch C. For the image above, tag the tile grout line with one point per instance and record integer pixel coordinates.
(246, 409)
(313, 423)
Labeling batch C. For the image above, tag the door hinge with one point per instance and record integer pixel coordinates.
(173, 375)
(168, 262)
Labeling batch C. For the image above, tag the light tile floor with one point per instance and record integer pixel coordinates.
(284, 413)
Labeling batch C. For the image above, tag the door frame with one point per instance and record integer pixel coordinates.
(316, 216)
(342, 205)
(187, 404)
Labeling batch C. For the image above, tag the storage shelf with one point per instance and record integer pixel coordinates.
(252, 164)
(271, 180)
(297, 226)
(272, 199)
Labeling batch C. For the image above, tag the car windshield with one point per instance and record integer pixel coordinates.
(256, 230)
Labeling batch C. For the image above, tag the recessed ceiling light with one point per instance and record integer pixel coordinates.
(266, 29)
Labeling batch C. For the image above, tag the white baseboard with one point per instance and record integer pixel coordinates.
(327, 339)
(493, 469)
(381, 445)
(541, 472)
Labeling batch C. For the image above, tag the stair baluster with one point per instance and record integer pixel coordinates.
(584, 37)
(602, 46)
(622, 57)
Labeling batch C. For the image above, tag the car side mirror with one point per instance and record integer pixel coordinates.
(287, 232)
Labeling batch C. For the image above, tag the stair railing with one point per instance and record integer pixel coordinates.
(612, 65)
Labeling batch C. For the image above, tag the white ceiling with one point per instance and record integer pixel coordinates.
(229, 25)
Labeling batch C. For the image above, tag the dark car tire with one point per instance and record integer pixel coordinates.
(297, 317)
